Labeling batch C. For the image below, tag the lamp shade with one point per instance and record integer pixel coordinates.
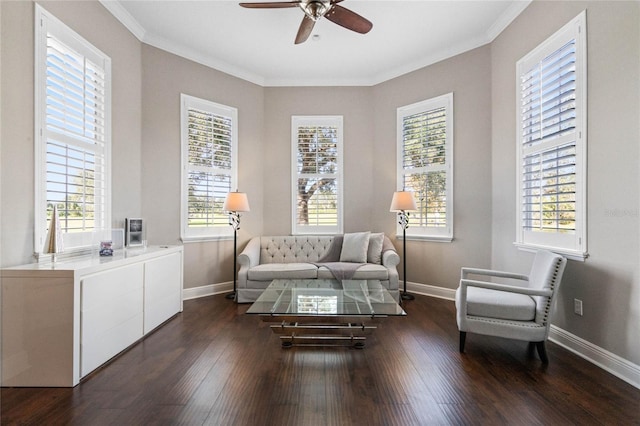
(236, 202)
(403, 201)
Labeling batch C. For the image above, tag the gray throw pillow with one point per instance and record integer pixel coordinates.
(355, 247)
(374, 255)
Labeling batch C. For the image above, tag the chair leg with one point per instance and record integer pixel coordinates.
(463, 337)
(542, 352)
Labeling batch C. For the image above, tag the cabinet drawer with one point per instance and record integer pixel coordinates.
(99, 349)
(162, 277)
(105, 287)
(111, 314)
(162, 290)
(99, 319)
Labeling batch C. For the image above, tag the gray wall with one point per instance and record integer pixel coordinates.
(436, 263)
(95, 23)
(354, 104)
(165, 76)
(146, 153)
(370, 152)
(607, 282)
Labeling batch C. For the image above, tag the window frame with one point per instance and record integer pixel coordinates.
(207, 233)
(574, 245)
(418, 232)
(76, 242)
(317, 120)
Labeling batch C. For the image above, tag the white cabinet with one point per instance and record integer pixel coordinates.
(62, 321)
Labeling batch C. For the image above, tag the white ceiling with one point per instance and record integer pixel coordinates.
(257, 44)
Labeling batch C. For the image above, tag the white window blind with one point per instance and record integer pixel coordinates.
(549, 190)
(552, 139)
(72, 133)
(209, 164)
(549, 97)
(425, 139)
(317, 180)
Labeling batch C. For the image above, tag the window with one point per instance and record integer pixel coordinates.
(72, 134)
(552, 142)
(425, 165)
(209, 167)
(317, 174)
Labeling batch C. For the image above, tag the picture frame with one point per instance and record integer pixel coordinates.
(106, 248)
(134, 232)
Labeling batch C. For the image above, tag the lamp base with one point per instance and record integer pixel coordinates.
(231, 296)
(406, 296)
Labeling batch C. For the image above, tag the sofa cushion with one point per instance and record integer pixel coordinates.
(485, 302)
(272, 271)
(295, 249)
(355, 247)
(374, 254)
(365, 272)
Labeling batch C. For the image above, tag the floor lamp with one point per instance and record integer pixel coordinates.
(234, 204)
(402, 202)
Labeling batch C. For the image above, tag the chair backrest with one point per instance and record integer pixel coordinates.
(546, 273)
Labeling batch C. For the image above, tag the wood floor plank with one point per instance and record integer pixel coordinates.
(215, 365)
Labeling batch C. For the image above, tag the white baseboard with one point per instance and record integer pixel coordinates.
(430, 290)
(206, 290)
(614, 364)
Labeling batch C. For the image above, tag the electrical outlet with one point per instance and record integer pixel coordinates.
(577, 307)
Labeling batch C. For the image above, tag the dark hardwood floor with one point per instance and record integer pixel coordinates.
(214, 365)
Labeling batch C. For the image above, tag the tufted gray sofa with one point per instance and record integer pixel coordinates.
(294, 257)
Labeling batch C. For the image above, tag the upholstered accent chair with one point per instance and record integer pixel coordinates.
(520, 311)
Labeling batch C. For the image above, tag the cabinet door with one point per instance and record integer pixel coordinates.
(162, 290)
(111, 314)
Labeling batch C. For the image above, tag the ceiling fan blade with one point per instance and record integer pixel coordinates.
(271, 5)
(348, 19)
(306, 26)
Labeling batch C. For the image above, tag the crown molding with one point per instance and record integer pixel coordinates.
(512, 12)
(195, 56)
(122, 15)
(125, 18)
(443, 54)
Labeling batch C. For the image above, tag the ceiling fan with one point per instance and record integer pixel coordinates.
(316, 9)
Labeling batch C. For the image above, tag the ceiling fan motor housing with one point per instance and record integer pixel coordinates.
(315, 9)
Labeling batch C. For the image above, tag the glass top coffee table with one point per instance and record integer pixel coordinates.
(324, 312)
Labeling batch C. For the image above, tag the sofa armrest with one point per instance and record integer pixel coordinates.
(465, 272)
(250, 256)
(390, 257)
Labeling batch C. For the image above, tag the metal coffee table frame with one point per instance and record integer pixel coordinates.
(324, 312)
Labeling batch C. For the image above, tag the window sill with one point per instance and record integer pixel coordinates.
(429, 238)
(211, 238)
(569, 254)
(69, 254)
(319, 234)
